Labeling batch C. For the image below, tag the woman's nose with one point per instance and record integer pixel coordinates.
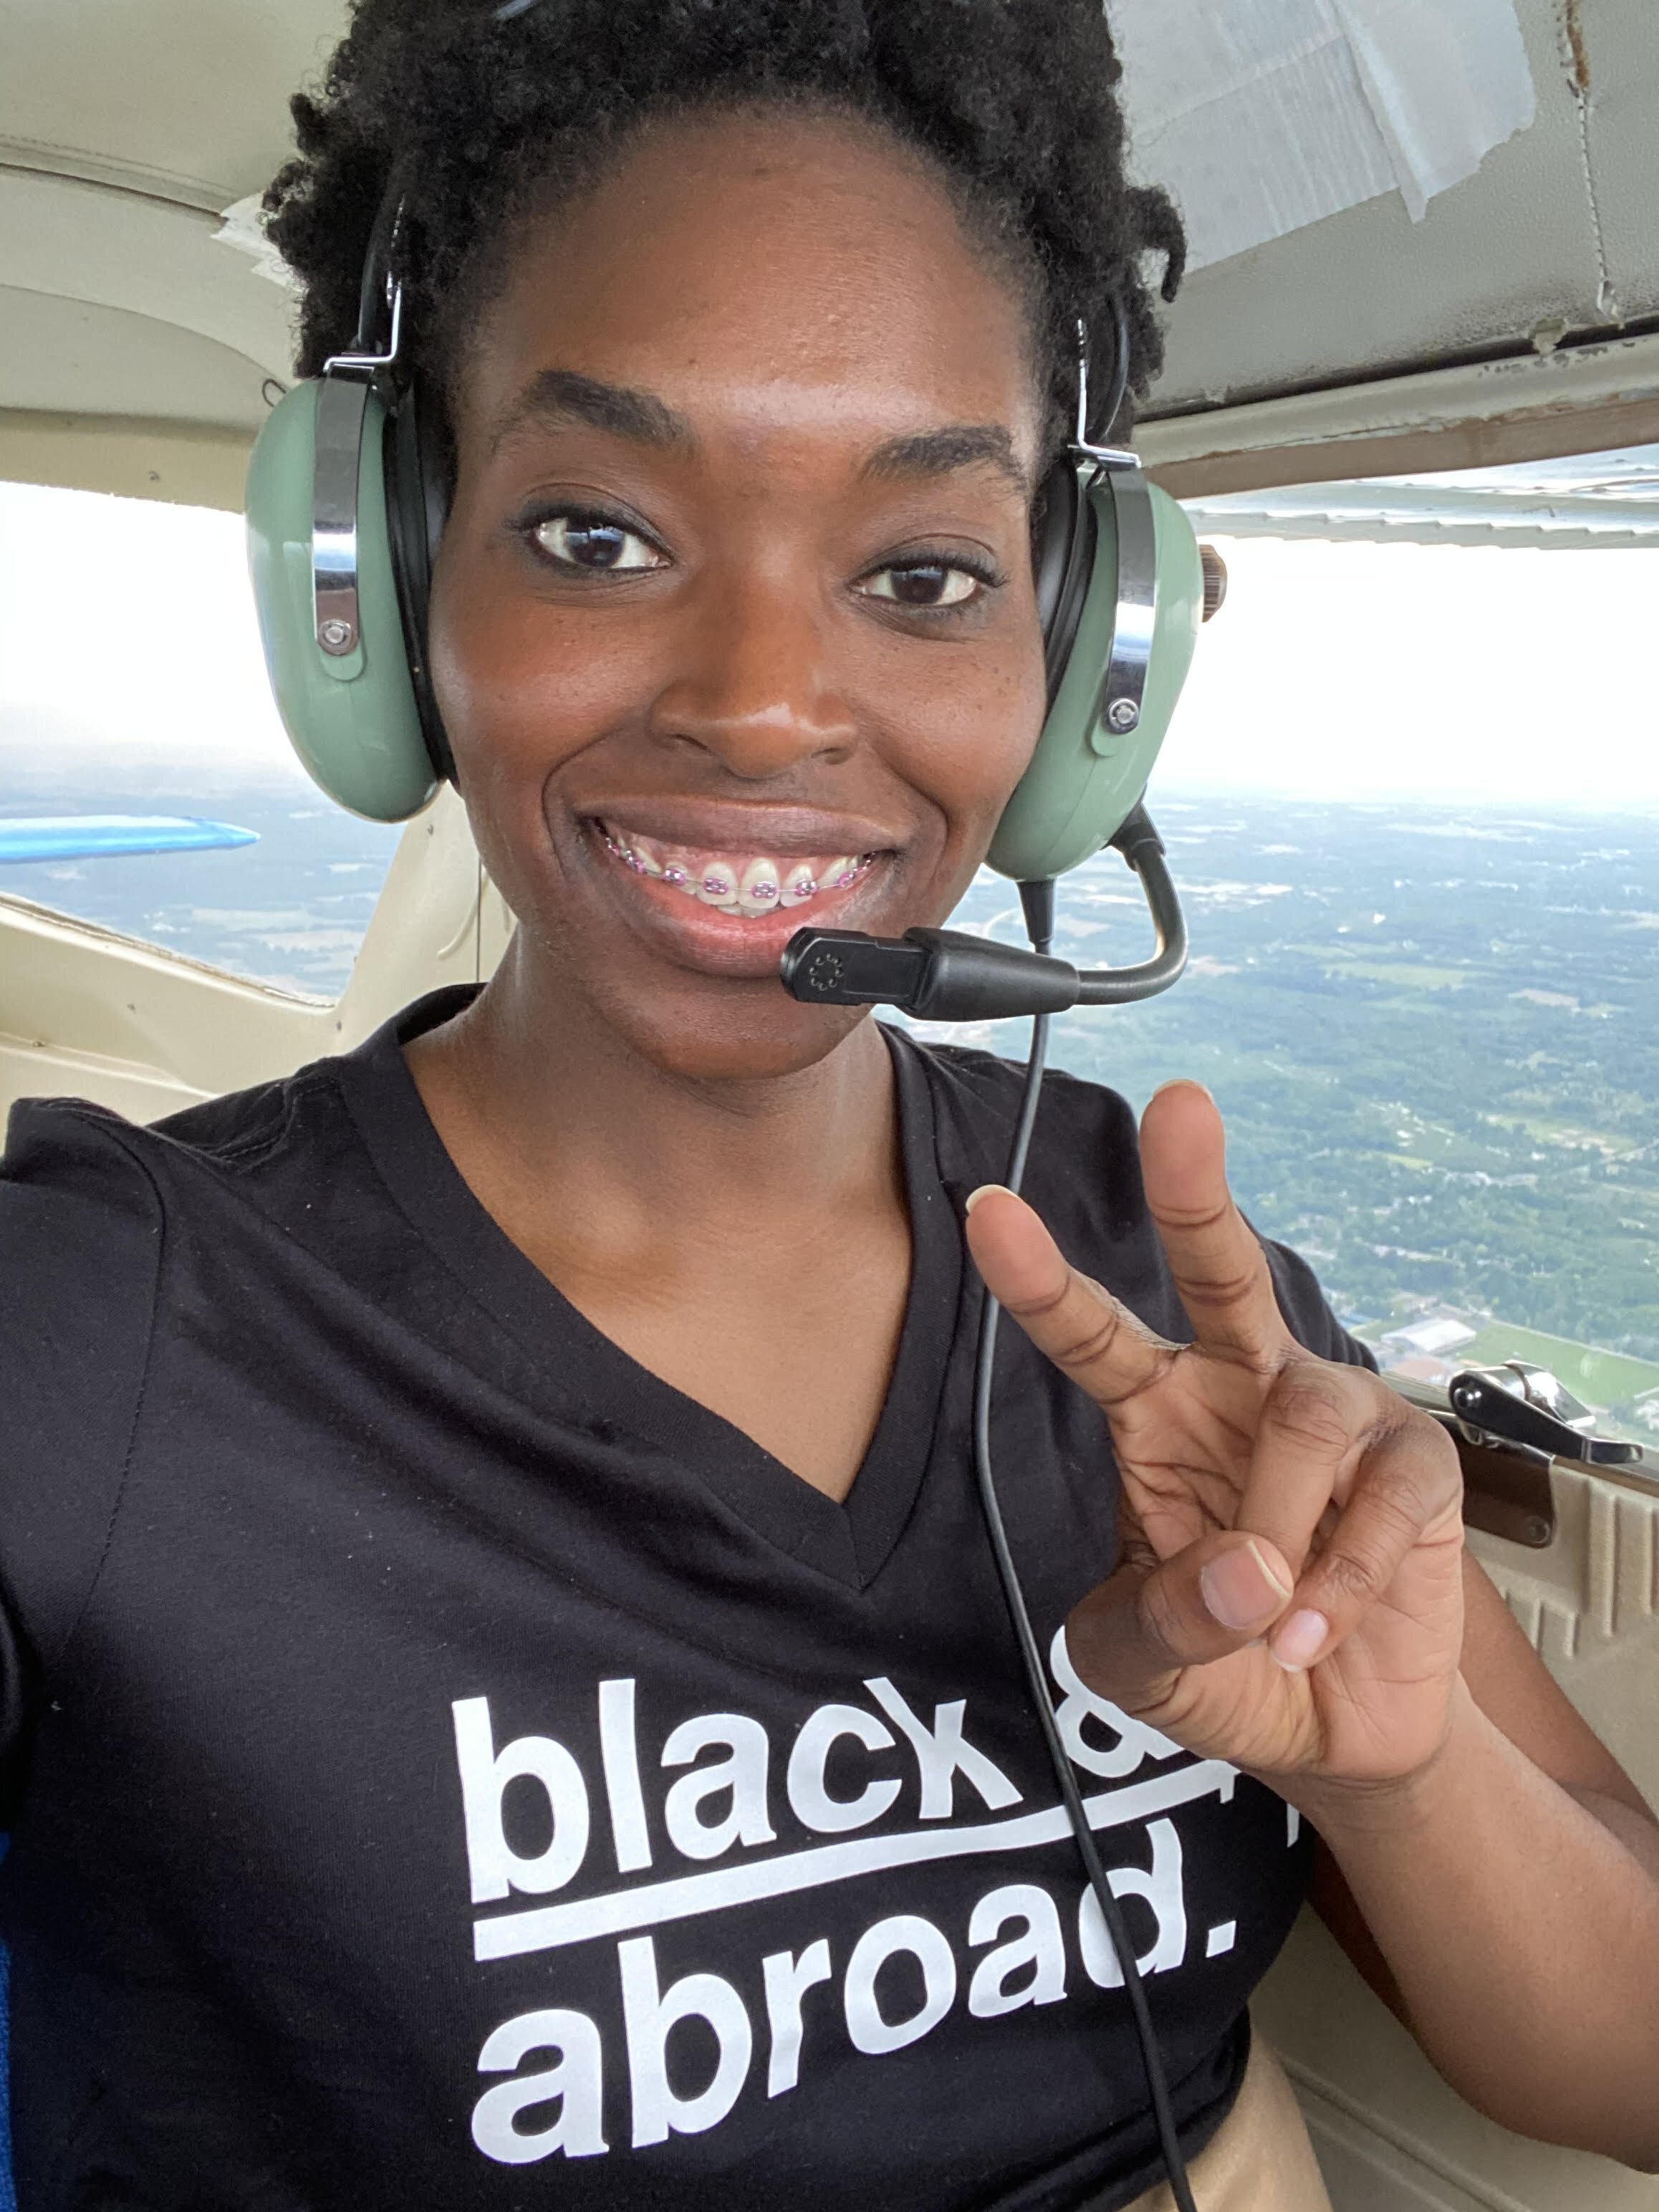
(751, 685)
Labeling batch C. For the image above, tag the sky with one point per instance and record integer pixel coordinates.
(127, 635)
(1455, 674)
(1459, 674)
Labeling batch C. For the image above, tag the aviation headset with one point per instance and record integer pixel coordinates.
(346, 502)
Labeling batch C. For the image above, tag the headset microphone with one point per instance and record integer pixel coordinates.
(945, 975)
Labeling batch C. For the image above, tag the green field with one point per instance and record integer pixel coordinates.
(1600, 1379)
(1609, 1381)
(1436, 1054)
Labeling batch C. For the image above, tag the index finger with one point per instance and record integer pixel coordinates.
(1104, 1348)
(1215, 1259)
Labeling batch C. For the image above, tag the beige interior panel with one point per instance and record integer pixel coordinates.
(1391, 2136)
(87, 243)
(1582, 399)
(89, 1014)
(1590, 1605)
(1620, 51)
(1364, 2174)
(187, 464)
(1527, 240)
(188, 96)
(76, 357)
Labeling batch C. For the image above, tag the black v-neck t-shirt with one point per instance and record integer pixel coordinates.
(445, 1765)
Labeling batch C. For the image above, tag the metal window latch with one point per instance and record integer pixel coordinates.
(1519, 1404)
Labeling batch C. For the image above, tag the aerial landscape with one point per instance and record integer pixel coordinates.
(1434, 1035)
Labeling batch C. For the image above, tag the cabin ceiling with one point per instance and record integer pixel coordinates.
(1556, 233)
(186, 99)
(126, 126)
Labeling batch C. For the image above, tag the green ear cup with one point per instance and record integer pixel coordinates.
(352, 720)
(1083, 777)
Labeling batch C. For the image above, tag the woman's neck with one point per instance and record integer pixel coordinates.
(580, 1146)
(747, 1242)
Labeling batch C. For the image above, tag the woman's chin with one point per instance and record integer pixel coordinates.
(734, 1032)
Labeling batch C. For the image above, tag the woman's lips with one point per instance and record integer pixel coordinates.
(746, 883)
(729, 912)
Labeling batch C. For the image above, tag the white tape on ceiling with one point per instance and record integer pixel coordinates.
(241, 227)
(1266, 115)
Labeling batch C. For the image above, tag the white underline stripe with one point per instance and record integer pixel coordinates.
(546, 1927)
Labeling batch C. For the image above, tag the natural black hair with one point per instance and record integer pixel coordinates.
(482, 120)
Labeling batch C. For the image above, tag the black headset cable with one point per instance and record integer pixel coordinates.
(1037, 901)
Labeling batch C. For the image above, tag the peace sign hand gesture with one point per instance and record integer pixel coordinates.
(1289, 1596)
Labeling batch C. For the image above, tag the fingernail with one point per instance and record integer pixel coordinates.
(984, 1191)
(1183, 1083)
(1298, 1642)
(1240, 1588)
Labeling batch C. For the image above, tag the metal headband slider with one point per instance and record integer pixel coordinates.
(342, 402)
(367, 363)
(1105, 456)
(342, 411)
(1123, 693)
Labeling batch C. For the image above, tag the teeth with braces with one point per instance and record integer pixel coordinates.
(756, 885)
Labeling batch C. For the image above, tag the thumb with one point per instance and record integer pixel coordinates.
(1135, 1631)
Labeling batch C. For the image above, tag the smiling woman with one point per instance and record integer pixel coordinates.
(695, 459)
(513, 1673)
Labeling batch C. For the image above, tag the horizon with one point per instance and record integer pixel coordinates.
(1335, 673)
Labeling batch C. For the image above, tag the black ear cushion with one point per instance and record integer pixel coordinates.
(1063, 559)
(417, 503)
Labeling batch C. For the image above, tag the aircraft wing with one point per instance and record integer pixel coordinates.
(94, 836)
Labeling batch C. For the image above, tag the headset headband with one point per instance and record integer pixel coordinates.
(348, 378)
(346, 500)
(1123, 688)
(346, 381)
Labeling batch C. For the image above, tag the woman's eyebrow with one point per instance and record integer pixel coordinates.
(959, 446)
(560, 395)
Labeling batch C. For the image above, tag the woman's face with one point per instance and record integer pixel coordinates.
(733, 622)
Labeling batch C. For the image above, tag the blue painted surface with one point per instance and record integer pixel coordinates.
(88, 836)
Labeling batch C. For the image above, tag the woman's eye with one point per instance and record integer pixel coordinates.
(589, 541)
(925, 584)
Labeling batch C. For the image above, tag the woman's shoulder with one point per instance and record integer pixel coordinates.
(93, 1206)
(73, 1178)
(82, 1236)
(69, 1155)
(93, 1210)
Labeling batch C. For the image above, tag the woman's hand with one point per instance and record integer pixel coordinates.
(1289, 1593)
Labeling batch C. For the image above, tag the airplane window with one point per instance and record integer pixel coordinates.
(145, 782)
(1412, 804)
(1412, 801)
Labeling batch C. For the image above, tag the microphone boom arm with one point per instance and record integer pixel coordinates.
(945, 975)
